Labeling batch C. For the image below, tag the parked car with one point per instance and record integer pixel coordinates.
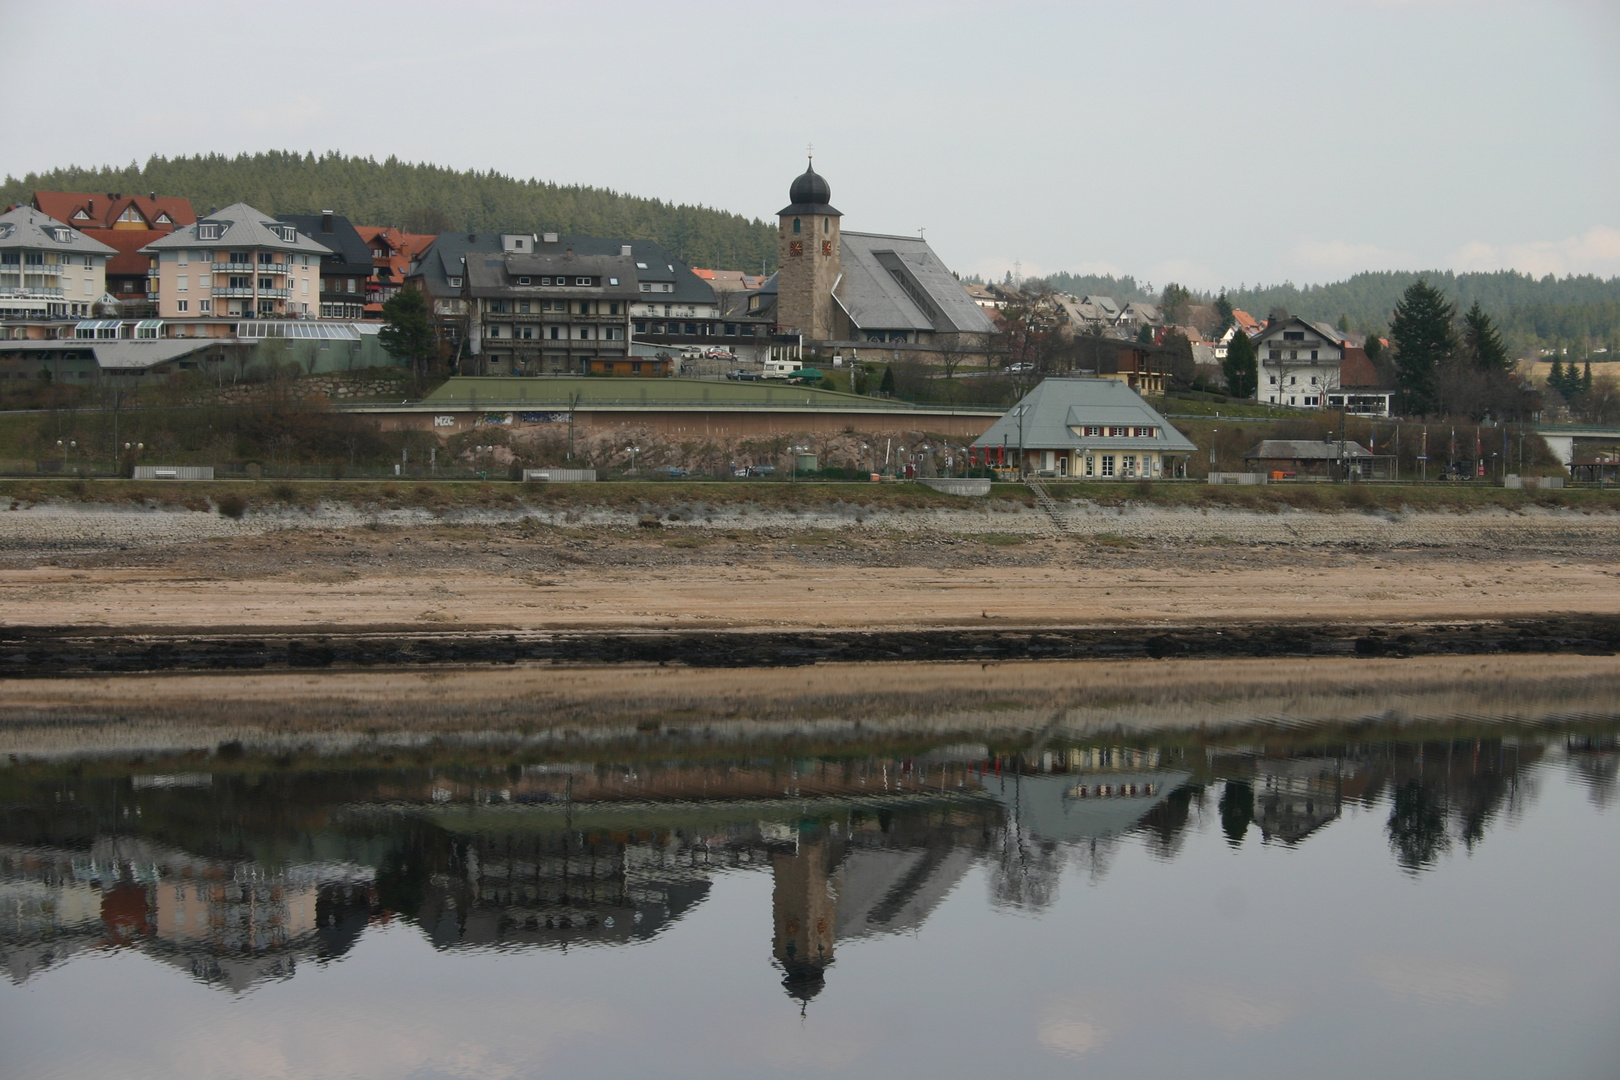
(741, 375)
(720, 354)
(762, 470)
(1020, 368)
(671, 471)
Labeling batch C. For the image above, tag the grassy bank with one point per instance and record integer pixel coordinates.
(1338, 498)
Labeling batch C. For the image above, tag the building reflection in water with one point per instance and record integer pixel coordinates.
(237, 879)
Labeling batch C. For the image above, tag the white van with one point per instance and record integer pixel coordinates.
(781, 369)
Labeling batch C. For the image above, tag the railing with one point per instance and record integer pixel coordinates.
(244, 293)
(30, 291)
(233, 268)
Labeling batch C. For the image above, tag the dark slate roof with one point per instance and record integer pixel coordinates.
(446, 259)
(495, 274)
(1294, 322)
(810, 194)
(1056, 406)
(350, 252)
(1304, 450)
(654, 262)
(898, 283)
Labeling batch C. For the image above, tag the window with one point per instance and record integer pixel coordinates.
(641, 327)
(646, 286)
(524, 332)
(266, 258)
(554, 334)
(1313, 357)
(182, 306)
(1108, 464)
(795, 224)
(826, 225)
(582, 281)
(523, 307)
(208, 232)
(1293, 379)
(1090, 466)
(1313, 377)
(584, 307)
(613, 308)
(547, 281)
(1127, 465)
(1293, 335)
(498, 305)
(1272, 379)
(613, 281)
(183, 257)
(523, 281)
(351, 287)
(205, 306)
(455, 283)
(306, 260)
(63, 236)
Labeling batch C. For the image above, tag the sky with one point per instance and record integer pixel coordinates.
(1213, 143)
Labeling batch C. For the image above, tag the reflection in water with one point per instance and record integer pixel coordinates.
(246, 873)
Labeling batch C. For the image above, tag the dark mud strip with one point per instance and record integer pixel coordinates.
(33, 652)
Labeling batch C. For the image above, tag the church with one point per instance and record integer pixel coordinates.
(848, 291)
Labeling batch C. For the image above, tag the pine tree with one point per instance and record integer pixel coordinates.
(1555, 376)
(1223, 308)
(1423, 337)
(887, 385)
(1481, 343)
(1586, 378)
(1241, 366)
(408, 334)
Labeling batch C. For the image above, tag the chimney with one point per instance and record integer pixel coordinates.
(152, 195)
(624, 251)
(326, 221)
(90, 207)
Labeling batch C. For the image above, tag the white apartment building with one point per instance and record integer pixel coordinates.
(49, 270)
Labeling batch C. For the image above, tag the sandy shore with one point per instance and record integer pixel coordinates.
(120, 571)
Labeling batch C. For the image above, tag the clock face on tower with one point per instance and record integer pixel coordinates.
(826, 247)
(796, 247)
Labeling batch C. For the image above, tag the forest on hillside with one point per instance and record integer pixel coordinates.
(419, 197)
(1576, 315)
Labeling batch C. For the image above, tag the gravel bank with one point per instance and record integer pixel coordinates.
(72, 528)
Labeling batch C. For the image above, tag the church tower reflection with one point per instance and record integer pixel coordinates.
(804, 909)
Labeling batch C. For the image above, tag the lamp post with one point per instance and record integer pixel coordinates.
(632, 451)
(1213, 434)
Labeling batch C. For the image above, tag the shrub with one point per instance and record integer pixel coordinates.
(231, 505)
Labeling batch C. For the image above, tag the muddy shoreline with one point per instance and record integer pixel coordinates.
(38, 652)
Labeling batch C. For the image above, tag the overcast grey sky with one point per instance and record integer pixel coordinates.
(1207, 142)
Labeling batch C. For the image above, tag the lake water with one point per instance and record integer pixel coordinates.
(1339, 903)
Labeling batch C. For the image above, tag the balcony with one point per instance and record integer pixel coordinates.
(30, 291)
(234, 268)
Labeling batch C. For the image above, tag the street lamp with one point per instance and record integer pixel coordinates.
(796, 451)
(632, 451)
(1213, 432)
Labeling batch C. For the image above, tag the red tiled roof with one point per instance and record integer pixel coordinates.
(88, 210)
(128, 243)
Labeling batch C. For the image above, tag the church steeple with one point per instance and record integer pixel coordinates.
(809, 259)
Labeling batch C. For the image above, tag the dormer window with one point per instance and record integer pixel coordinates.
(208, 232)
(131, 214)
(523, 281)
(582, 281)
(547, 281)
(288, 233)
(81, 216)
(63, 236)
(165, 219)
(613, 281)
(455, 283)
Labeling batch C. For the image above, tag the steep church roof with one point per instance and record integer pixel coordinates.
(898, 283)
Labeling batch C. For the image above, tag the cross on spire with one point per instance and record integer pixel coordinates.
(810, 151)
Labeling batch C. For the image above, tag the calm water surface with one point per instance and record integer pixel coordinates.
(1295, 906)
